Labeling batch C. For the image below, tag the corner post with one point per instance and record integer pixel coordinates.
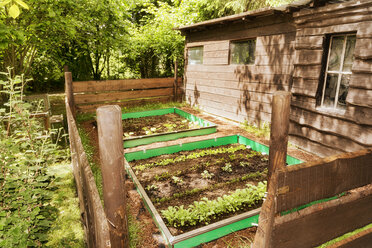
(277, 158)
(70, 93)
(279, 131)
(110, 138)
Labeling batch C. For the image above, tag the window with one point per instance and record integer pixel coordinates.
(338, 71)
(242, 52)
(195, 55)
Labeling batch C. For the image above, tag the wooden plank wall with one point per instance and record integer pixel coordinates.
(297, 185)
(92, 212)
(89, 95)
(241, 92)
(318, 131)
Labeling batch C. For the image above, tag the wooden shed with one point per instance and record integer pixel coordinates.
(321, 51)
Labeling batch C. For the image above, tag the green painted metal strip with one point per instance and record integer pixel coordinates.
(193, 118)
(217, 233)
(182, 147)
(168, 136)
(262, 148)
(310, 204)
(147, 113)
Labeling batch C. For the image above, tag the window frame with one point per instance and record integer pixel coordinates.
(339, 72)
(202, 57)
(239, 41)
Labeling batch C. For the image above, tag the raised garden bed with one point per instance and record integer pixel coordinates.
(146, 127)
(224, 176)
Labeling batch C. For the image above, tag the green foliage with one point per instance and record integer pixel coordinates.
(193, 155)
(227, 168)
(205, 210)
(206, 174)
(26, 150)
(262, 131)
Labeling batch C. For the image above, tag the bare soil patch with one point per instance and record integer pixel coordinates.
(156, 124)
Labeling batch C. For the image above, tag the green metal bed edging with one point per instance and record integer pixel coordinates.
(217, 233)
(207, 127)
(212, 234)
(220, 141)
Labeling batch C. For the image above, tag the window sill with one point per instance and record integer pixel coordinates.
(332, 111)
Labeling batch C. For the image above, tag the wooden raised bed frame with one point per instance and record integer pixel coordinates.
(212, 231)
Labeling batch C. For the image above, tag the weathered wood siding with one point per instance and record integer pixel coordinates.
(320, 132)
(241, 92)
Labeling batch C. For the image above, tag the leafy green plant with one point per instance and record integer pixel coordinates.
(177, 180)
(244, 164)
(227, 168)
(26, 151)
(152, 187)
(206, 174)
(262, 130)
(162, 176)
(205, 210)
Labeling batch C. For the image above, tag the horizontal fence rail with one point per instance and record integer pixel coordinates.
(89, 95)
(92, 212)
(318, 201)
(308, 182)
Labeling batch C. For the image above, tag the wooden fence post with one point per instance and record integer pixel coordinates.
(69, 92)
(279, 131)
(110, 138)
(175, 80)
(277, 158)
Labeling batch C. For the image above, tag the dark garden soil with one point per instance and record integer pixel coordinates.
(183, 182)
(156, 124)
(150, 235)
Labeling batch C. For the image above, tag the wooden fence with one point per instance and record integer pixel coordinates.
(92, 212)
(348, 176)
(89, 95)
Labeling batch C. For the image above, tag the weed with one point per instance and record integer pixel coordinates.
(206, 174)
(227, 168)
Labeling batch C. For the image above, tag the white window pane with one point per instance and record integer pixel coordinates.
(342, 93)
(336, 53)
(330, 90)
(195, 55)
(242, 52)
(349, 52)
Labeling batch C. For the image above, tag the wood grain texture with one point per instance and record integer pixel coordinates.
(122, 85)
(328, 139)
(331, 8)
(323, 178)
(117, 96)
(330, 124)
(96, 226)
(278, 133)
(92, 107)
(361, 81)
(110, 137)
(363, 48)
(360, 97)
(322, 222)
(309, 42)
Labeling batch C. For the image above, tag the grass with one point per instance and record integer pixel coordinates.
(345, 236)
(261, 131)
(95, 167)
(66, 230)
